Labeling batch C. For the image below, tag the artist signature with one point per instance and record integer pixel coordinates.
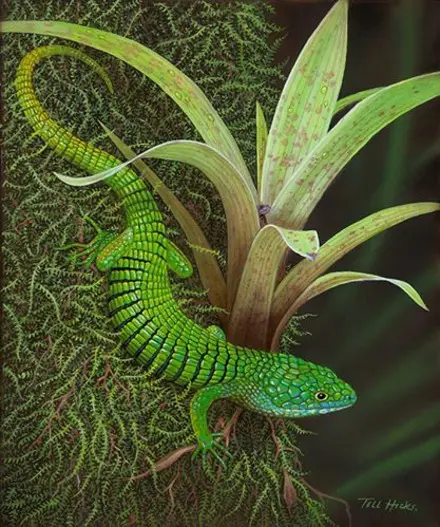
(387, 504)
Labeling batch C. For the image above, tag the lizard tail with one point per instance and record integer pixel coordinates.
(126, 182)
(151, 323)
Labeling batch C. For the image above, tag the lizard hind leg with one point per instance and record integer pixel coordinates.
(114, 248)
(105, 248)
(91, 249)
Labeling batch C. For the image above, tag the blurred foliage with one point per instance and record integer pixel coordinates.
(80, 420)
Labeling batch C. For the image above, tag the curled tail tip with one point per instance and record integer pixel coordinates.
(106, 78)
(55, 49)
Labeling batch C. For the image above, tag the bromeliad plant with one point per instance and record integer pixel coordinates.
(297, 159)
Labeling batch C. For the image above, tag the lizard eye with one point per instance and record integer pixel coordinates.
(321, 396)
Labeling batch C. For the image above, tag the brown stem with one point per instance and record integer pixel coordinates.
(109, 372)
(170, 488)
(289, 492)
(81, 224)
(48, 427)
(132, 520)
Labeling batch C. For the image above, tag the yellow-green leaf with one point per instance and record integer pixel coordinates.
(305, 188)
(249, 320)
(307, 102)
(304, 243)
(171, 80)
(209, 271)
(329, 281)
(354, 98)
(261, 144)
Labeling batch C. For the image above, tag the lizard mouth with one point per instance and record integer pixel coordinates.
(334, 406)
(324, 408)
(310, 410)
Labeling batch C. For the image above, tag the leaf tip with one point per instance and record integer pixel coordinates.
(104, 127)
(61, 176)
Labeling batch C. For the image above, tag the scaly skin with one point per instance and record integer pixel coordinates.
(152, 327)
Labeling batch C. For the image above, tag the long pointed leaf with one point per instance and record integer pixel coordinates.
(261, 144)
(210, 273)
(175, 83)
(307, 102)
(238, 200)
(354, 98)
(249, 319)
(305, 188)
(330, 280)
(306, 272)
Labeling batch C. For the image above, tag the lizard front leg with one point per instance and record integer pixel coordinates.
(177, 261)
(200, 404)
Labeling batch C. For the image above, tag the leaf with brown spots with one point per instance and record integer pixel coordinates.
(261, 144)
(307, 101)
(294, 205)
(207, 265)
(354, 98)
(329, 281)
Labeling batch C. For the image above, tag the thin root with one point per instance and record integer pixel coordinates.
(166, 462)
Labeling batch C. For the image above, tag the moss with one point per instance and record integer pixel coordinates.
(80, 420)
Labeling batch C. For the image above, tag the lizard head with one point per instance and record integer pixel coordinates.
(289, 386)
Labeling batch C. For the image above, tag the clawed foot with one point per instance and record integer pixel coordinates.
(209, 445)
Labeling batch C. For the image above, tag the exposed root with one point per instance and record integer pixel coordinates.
(275, 438)
(166, 462)
(323, 495)
(289, 493)
(231, 426)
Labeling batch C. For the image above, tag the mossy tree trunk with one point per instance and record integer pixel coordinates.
(80, 421)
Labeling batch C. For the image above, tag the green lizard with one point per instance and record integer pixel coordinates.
(154, 330)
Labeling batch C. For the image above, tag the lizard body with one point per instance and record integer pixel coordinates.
(153, 328)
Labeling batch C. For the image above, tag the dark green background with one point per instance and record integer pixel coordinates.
(371, 334)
